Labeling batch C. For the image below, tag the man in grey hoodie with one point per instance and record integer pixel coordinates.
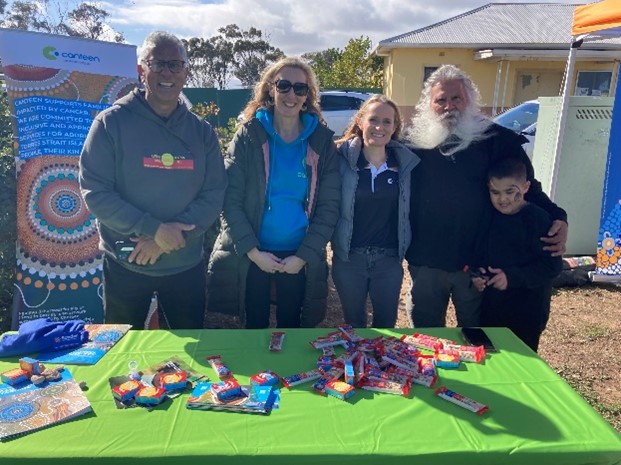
(152, 174)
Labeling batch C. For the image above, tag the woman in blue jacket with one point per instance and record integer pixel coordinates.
(280, 206)
(373, 231)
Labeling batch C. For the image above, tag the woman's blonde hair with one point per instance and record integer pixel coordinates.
(261, 97)
(354, 129)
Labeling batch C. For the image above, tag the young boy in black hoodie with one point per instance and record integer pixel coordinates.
(518, 273)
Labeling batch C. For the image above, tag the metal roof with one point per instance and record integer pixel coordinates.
(523, 25)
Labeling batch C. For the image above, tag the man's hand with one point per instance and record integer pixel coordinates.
(292, 264)
(557, 238)
(498, 279)
(146, 252)
(169, 236)
(266, 261)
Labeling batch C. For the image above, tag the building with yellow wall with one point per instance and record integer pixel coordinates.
(513, 51)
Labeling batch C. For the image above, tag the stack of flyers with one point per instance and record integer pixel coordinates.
(254, 399)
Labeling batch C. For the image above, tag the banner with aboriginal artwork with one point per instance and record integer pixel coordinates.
(55, 87)
(609, 241)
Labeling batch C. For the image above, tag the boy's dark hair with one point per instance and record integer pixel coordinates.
(508, 168)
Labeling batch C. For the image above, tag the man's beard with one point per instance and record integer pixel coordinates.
(450, 132)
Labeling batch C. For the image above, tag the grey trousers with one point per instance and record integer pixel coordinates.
(371, 271)
(430, 293)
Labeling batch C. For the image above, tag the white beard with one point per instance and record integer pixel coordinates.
(451, 132)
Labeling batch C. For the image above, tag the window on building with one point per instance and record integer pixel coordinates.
(595, 83)
(427, 72)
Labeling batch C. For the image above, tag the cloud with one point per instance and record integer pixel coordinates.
(293, 26)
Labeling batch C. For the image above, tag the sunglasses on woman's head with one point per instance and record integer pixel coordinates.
(299, 88)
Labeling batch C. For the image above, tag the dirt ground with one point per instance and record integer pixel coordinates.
(585, 325)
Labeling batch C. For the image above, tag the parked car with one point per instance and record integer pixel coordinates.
(339, 107)
(522, 119)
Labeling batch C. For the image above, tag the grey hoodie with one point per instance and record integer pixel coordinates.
(138, 170)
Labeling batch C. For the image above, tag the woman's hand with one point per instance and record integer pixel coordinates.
(292, 264)
(266, 261)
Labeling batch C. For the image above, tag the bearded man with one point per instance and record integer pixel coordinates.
(450, 204)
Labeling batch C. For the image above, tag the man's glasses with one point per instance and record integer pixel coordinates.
(157, 66)
(299, 88)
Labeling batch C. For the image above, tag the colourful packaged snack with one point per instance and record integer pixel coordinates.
(399, 361)
(150, 395)
(328, 351)
(339, 389)
(127, 390)
(325, 362)
(14, 376)
(276, 341)
(332, 374)
(225, 390)
(173, 381)
(300, 378)
(447, 358)
(264, 378)
(468, 353)
(388, 387)
(462, 401)
(375, 374)
(427, 365)
(349, 373)
(332, 339)
(221, 369)
(424, 341)
(31, 366)
(424, 380)
(350, 333)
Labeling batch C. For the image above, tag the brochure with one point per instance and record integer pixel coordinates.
(31, 410)
(254, 399)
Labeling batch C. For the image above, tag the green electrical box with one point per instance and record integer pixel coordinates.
(580, 165)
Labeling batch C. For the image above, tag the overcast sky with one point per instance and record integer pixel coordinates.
(294, 26)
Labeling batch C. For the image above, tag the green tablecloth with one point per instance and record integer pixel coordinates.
(534, 417)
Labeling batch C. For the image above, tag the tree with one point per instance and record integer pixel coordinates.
(51, 16)
(323, 63)
(354, 66)
(233, 52)
(210, 60)
(251, 53)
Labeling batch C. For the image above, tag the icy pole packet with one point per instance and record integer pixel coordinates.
(462, 401)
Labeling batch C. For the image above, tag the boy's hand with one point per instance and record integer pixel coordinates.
(556, 238)
(479, 283)
(498, 279)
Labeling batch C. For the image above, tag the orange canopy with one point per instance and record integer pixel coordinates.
(596, 17)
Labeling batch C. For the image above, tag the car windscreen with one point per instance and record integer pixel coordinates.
(519, 118)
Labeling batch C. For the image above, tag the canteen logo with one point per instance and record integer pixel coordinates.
(51, 53)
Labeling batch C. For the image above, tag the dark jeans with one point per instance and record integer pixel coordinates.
(127, 296)
(371, 271)
(289, 296)
(430, 293)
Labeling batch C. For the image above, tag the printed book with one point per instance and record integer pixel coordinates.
(101, 338)
(35, 409)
